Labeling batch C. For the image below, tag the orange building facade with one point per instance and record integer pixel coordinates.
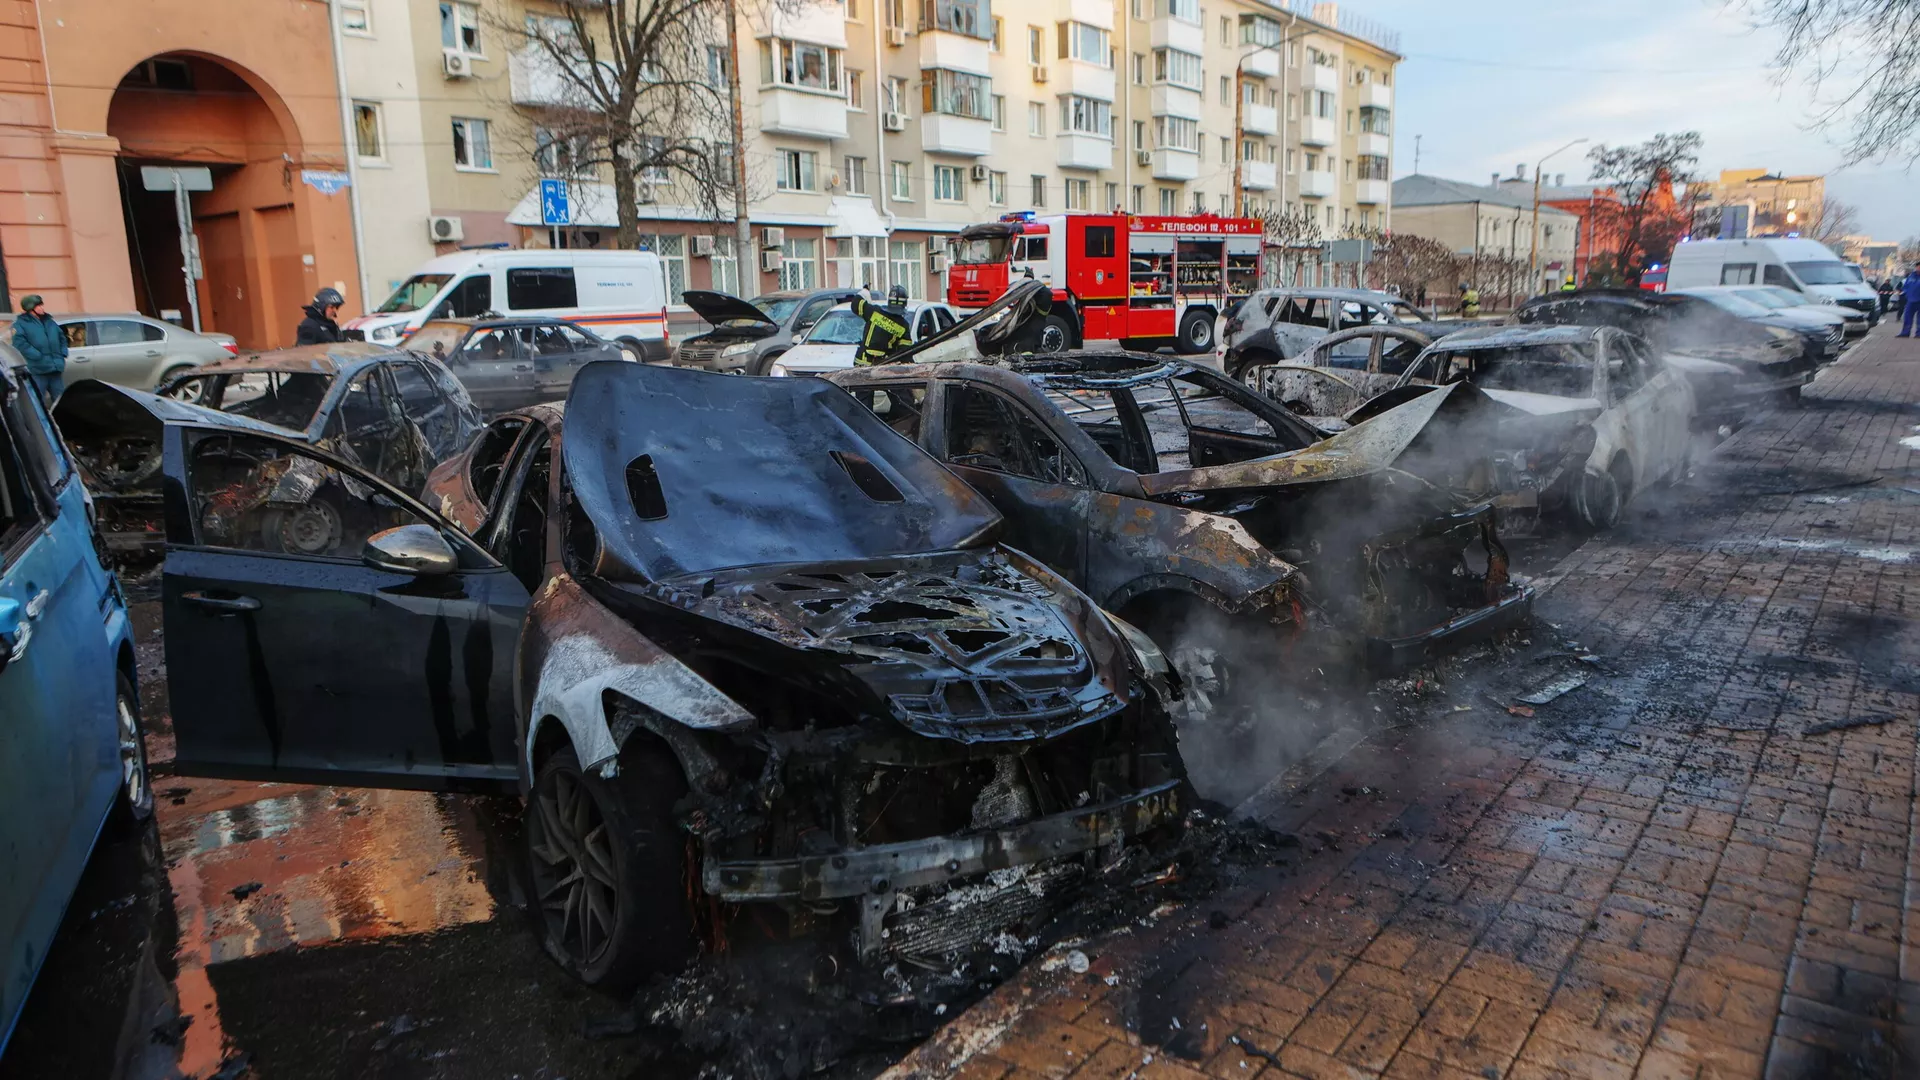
(92, 90)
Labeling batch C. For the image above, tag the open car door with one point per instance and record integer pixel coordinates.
(323, 627)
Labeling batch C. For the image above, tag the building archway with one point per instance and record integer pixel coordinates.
(183, 108)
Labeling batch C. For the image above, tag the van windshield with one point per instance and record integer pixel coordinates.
(414, 293)
(1823, 273)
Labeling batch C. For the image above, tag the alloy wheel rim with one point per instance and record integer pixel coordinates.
(311, 529)
(574, 869)
(133, 759)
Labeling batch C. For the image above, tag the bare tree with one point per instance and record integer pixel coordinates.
(1862, 58)
(1296, 233)
(1910, 251)
(1410, 264)
(1642, 221)
(1834, 221)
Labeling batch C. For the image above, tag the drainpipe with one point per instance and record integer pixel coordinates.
(350, 148)
(882, 176)
(746, 257)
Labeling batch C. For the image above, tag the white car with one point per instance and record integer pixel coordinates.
(134, 350)
(834, 341)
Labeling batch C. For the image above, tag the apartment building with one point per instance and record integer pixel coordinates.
(1490, 227)
(1756, 202)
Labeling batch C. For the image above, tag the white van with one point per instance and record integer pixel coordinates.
(1805, 266)
(619, 295)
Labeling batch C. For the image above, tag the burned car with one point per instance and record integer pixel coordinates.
(1162, 487)
(1274, 325)
(507, 363)
(1339, 373)
(735, 640)
(397, 414)
(749, 335)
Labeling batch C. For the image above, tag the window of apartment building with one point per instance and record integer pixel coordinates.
(799, 266)
(722, 154)
(1259, 30)
(355, 17)
(1199, 202)
(1329, 217)
(1250, 93)
(1036, 118)
(460, 27)
(1323, 104)
(955, 93)
(970, 17)
(996, 189)
(949, 184)
(472, 148)
(1139, 9)
(794, 170)
(1224, 208)
(1226, 149)
(801, 65)
(908, 267)
(1139, 69)
(855, 175)
(1079, 193)
(1184, 10)
(1313, 162)
(1349, 168)
(672, 249)
(856, 91)
(369, 134)
(1293, 103)
(897, 14)
(1289, 161)
(726, 268)
(1113, 197)
(1176, 133)
(1139, 199)
(900, 180)
(853, 10)
(1139, 134)
(1039, 193)
(1090, 44)
(1376, 121)
(1176, 67)
(999, 112)
(1169, 201)
(1349, 121)
(558, 154)
(556, 30)
(1085, 116)
(1249, 150)
(1375, 167)
(997, 27)
(1226, 90)
(896, 101)
(1226, 30)
(1036, 45)
(717, 67)
(1346, 216)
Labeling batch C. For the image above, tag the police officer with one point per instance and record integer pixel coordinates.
(886, 326)
(321, 326)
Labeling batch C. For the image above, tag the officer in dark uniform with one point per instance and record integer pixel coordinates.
(886, 326)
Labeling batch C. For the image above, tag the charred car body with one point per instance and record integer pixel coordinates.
(1278, 324)
(396, 414)
(763, 643)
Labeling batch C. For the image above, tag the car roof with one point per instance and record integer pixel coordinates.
(491, 324)
(1501, 337)
(338, 358)
(1366, 295)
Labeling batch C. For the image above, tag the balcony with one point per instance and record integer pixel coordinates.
(1377, 145)
(1261, 63)
(536, 79)
(1318, 131)
(1320, 77)
(1092, 12)
(1258, 175)
(1374, 95)
(1174, 34)
(1168, 100)
(955, 52)
(1078, 151)
(1316, 185)
(1172, 164)
(943, 133)
(815, 23)
(1371, 192)
(1086, 80)
(1259, 120)
(815, 114)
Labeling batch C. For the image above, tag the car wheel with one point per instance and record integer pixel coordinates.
(608, 868)
(631, 350)
(1196, 332)
(190, 394)
(1052, 335)
(1602, 499)
(761, 365)
(1239, 366)
(135, 803)
(311, 529)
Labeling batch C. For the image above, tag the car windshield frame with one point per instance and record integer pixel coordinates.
(400, 302)
(436, 332)
(1569, 357)
(841, 315)
(777, 308)
(216, 389)
(1822, 272)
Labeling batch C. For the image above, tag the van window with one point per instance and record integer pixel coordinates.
(1777, 275)
(540, 288)
(1737, 274)
(470, 298)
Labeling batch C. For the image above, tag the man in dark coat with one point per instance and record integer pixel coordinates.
(43, 343)
(320, 326)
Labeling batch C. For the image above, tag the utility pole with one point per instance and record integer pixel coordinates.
(745, 259)
(1416, 153)
(1533, 248)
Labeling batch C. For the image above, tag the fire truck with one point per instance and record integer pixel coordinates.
(1146, 281)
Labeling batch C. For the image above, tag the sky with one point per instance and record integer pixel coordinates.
(1490, 84)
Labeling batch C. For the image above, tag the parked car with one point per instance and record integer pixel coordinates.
(1805, 266)
(749, 335)
(130, 349)
(834, 341)
(1587, 419)
(620, 295)
(1339, 373)
(505, 363)
(1277, 324)
(777, 660)
(69, 701)
(1821, 337)
(1161, 487)
(398, 414)
(1854, 322)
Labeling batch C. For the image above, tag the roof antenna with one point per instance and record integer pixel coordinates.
(1416, 154)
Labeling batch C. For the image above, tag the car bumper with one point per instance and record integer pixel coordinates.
(1508, 613)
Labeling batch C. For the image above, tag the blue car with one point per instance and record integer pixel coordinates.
(70, 749)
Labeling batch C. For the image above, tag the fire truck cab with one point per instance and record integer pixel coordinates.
(1145, 281)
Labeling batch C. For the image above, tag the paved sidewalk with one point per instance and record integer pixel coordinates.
(1703, 862)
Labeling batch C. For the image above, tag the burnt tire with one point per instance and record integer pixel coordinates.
(1602, 499)
(607, 865)
(314, 528)
(1196, 333)
(133, 806)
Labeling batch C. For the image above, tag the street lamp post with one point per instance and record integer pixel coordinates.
(1239, 111)
(1533, 246)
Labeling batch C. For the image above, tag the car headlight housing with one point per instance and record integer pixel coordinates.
(779, 370)
(737, 350)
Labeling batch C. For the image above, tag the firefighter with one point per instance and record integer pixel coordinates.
(1469, 301)
(1568, 285)
(886, 326)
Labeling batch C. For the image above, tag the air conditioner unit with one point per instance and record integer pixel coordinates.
(977, 173)
(644, 192)
(445, 230)
(770, 260)
(457, 65)
(895, 121)
(1039, 73)
(896, 36)
(702, 247)
(773, 237)
(938, 263)
(1143, 157)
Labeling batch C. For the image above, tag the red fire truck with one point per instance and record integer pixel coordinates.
(1147, 281)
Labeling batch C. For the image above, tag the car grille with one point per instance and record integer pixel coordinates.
(697, 352)
(1867, 306)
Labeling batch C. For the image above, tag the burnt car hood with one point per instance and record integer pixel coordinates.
(1584, 408)
(718, 307)
(1671, 322)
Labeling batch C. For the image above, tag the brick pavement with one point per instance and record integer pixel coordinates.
(1670, 872)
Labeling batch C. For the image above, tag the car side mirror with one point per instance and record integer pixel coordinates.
(419, 550)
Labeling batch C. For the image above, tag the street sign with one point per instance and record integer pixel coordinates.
(161, 178)
(180, 181)
(553, 203)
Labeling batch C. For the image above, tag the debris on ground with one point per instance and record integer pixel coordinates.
(1869, 720)
(1557, 688)
(241, 892)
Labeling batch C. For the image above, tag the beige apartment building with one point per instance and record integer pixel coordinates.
(874, 129)
(1490, 227)
(1762, 203)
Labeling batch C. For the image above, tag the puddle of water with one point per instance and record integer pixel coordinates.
(1877, 554)
(1911, 442)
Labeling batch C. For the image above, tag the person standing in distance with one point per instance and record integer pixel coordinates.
(44, 344)
(321, 326)
(1910, 301)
